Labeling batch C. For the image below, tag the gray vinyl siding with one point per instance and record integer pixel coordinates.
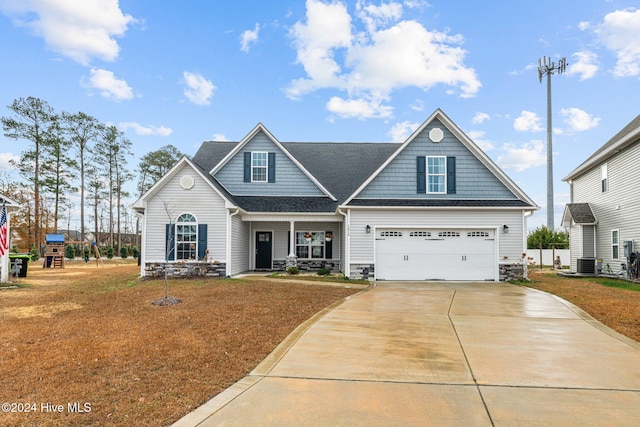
(290, 180)
(201, 201)
(575, 245)
(588, 244)
(239, 246)
(511, 244)
(473, 179)
(617, 208)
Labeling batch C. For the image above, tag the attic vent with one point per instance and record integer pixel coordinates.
(187, 182)
(436, 135)
(478, 234)
(391, 234)
(448, 234)
(420, 234)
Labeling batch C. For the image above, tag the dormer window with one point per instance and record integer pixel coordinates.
(259, 167)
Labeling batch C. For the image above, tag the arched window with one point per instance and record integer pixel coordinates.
(186, 237)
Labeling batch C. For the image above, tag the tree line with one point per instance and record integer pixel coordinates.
(74, 154)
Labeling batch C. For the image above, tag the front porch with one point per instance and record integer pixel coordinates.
(309, 243)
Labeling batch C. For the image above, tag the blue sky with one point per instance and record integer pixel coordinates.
(333, 70)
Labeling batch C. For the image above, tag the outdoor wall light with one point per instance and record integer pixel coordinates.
(505, 228)
(368, 228)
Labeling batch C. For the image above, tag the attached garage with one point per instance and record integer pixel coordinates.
(436, 254)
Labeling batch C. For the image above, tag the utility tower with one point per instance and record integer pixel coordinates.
(547, 67)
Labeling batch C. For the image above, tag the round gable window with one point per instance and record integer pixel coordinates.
(436, 135)
(187, 182)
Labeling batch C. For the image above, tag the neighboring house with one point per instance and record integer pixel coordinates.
(11, 207)
(604, 209)
(432, 208)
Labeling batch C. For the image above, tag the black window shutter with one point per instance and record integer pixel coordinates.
(328, 247)
(421, 174)
(272, 167)
(202, 241)
(170, 243)
(247, 167)
(451, 175)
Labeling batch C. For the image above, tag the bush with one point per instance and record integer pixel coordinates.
(70, 251)
(87, 253)
(324, 272)
(34, 253)
(293, 270)
(135, 252)
(124, 252)
(110, 252)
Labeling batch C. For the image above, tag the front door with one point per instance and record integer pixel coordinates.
(263, 250)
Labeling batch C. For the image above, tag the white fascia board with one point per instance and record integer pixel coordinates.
(440, 208)
(141, 203)
(594, 161)
(467, 142)
(250, 135)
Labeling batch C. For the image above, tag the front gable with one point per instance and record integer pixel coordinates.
(439, 162)
(261, 166)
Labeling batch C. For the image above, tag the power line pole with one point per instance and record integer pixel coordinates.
(547, 67)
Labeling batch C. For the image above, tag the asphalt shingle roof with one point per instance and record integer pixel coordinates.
(581, 213)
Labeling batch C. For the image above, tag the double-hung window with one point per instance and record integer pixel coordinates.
(615, 245)
(436, 175)
(258, 166)
(310, 245)
(186, 237)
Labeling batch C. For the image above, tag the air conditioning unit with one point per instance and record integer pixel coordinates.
(587, 265)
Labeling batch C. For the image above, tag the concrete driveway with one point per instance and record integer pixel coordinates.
(415, 353)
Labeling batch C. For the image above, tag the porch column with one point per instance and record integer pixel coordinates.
(292, 259)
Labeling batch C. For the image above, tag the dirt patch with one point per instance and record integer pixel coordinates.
(89, 336)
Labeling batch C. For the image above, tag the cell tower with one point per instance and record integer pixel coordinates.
(548, 67)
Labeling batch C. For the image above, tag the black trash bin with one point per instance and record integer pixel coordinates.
(24, 266)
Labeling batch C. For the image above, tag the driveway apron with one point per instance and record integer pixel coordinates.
(435, 353)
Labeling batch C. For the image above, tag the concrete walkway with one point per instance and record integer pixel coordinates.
(416, 354)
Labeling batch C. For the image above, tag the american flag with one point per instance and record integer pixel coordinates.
(4, 238)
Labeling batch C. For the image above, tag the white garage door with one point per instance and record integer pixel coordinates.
(436, 254)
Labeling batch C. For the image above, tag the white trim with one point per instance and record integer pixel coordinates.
(617, 230)
(265, 167)
(260, 127)
(468, 143)
(444, 175)
(141, 203)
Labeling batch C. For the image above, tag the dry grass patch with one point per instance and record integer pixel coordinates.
(103, 343)
(617, 308)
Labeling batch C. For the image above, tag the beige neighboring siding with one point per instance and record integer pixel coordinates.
(201, 201)
(511, 244)
(617, 208)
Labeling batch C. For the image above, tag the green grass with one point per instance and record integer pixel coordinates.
(615, 283)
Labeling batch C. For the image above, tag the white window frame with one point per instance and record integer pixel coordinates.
(615, 247)
(190, 248)
(429, 174)
(605, 178)
(317, 241)
(255, 168)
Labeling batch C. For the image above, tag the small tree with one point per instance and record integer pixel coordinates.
(548, 238)
(124, 252)
(70, 251)
(110, 252)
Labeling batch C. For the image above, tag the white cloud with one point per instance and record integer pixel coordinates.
(523, 156)
(374, 16)
(77, 29)
(579, 120)
(477, 136)
(219, 137)
(369, 65)
(5, 158)
(248, 37)
(480, 117)
(359, 108)
(586, 66)
(401, 131)
(145, 130)
(109, 86)
(199, 90)
(527, 122)
(618, 32)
